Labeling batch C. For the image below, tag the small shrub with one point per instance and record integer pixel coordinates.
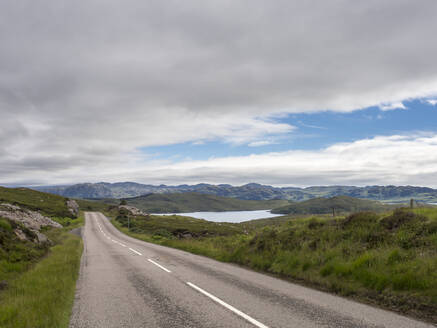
(342, 270)
(163, 233)
(64, 221)
(5, 225)
(260, 262)
(408, 239)
(327, 270)
(306, 265)
(312, 245)
(431, 227)
(314, 224)
(265, 241)
(374, 238)
(364, 261)
(359, 219)
(401, 218)
(408, 281)
(122, 219)
(395, 257)
(285, 263)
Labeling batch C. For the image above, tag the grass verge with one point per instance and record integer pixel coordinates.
(41, 280)
(44, 295)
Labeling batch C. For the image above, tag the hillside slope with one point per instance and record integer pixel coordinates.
(195, 202)
(39, 259)
(27, 218)
(47, 204)
(338, 204)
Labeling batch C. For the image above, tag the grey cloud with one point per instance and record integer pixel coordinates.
(220, 55)
(105, 77)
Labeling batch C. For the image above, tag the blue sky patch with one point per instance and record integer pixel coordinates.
(314, 131)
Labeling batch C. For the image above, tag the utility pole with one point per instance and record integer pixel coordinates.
(411, 203)
(128, 223)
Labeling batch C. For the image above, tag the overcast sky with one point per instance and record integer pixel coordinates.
(277, 92)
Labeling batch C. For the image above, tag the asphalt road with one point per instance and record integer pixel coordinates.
(125, 282)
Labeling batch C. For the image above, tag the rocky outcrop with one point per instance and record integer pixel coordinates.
(73, 207)
(31, 220)
(133, 210)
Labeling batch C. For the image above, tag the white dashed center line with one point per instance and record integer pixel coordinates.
(200, 290)
(229, 307)
(115, 241)
(159, 265)
(135, 251)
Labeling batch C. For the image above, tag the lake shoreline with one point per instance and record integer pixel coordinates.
(227, 216)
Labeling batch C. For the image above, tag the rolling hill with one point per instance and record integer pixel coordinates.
(337, 204)
(196, 202)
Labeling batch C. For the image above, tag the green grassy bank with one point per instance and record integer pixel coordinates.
(46, 204)
(385, 259)
(39, 280)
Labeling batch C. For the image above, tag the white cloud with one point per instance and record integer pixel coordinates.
(260, 143)
(392, 106)
(432, 102)
(382, 160)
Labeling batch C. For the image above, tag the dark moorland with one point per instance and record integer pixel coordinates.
(195, 202)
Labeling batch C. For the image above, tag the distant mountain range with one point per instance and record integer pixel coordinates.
(251, 191)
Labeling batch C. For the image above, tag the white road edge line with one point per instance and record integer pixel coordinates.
(229, 307)
(115, 241)
(159, 265)
(135, 251)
